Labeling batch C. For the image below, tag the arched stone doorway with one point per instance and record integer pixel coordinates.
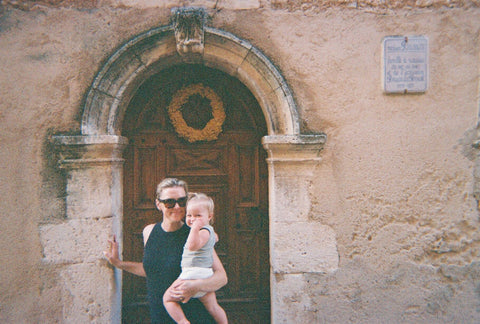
(231, 169)
(94, 160)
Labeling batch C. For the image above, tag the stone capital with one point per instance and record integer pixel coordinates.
(294, 148)
(82, 151)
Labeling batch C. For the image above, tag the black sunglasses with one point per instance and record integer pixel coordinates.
(170, 202)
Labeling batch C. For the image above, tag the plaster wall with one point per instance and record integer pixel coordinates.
(394, 190)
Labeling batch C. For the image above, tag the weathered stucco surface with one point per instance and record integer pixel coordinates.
(394, 191)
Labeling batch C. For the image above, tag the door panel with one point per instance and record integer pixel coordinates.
(232, 170)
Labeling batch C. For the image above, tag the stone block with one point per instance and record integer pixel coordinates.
(256, 72)
(290, 201)
(89, 193)
(113, 76)
(76, 240)
(223, 54)
(287, 106)
(96, 106)
(261, 67)
(289, 299)
(303, 247)
(238, 4)
(144, 4)
(87, 293)
(153, 48)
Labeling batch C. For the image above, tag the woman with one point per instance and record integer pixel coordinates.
(163, 244)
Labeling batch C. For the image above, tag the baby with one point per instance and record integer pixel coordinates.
(197, 258)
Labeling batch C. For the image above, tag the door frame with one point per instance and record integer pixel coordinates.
(95, 157)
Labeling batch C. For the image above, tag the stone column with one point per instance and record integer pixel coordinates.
(91, 289)
(298, 244)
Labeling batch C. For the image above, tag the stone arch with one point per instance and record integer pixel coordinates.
(154, 50)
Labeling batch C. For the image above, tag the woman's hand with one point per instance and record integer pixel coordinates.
(111, 253)
(183, 290)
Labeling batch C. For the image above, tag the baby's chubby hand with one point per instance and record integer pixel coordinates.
(196, 224)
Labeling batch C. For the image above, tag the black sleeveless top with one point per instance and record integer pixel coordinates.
(161, 261)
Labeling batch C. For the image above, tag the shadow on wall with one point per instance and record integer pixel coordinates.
(54, 184)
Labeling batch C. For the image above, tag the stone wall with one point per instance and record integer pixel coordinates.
(392, 194)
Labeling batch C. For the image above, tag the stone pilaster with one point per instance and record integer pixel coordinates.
(94, 170)
(298, 244)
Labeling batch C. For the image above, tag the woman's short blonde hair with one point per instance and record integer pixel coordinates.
(171, 183)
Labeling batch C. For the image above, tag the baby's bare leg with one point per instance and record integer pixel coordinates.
(212, 306)
(174, 309)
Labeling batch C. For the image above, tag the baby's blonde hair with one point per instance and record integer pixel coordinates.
(202, 198)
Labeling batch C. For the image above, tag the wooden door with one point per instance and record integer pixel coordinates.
(231, 169)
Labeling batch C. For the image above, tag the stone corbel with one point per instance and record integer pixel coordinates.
(189, 24)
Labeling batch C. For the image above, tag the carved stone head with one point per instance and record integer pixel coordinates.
(188, 24)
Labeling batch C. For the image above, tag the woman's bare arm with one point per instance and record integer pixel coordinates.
(113, 257)
(188, 288)
(219, 278)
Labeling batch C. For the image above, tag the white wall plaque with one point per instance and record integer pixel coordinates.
(405, 64)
